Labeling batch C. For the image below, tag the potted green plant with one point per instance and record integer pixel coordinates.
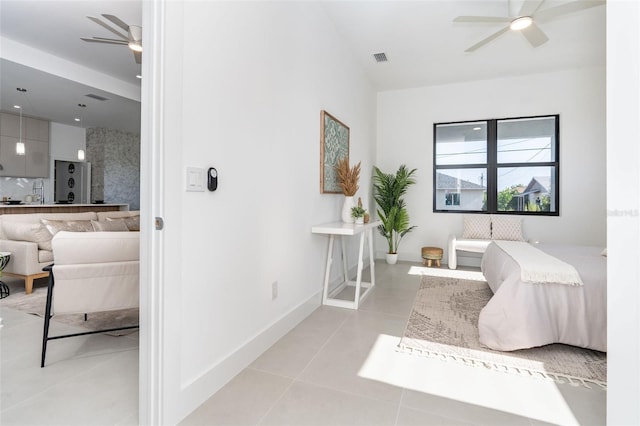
(388, 190)
(358, 212)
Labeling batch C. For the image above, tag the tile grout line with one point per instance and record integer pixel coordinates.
(295, 379)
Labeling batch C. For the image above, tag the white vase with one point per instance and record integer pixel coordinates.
(346, 210)
(392, 258)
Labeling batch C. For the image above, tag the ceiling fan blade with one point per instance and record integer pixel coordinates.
(529, 7)
(117, 21)
(135, 33)
(534, 35)
(488, 39)
(103, 25)
(481, 19)
(138, 57)
(563, 9)
(104, 40)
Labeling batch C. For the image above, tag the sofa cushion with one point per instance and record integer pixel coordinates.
(506, 228)
(55, 226)
(477, 227)
(45, 256)
(26, 231)
(117, 214)
(132, 222)
(109, 226)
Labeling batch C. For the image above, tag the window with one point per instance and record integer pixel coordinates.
(497, 166)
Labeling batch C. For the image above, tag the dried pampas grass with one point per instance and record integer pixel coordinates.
(348, 177)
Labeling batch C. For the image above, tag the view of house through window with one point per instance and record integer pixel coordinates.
(498, 165)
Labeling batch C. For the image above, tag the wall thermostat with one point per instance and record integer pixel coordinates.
(212, 179)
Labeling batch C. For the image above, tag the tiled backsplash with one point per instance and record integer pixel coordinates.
(18, 188)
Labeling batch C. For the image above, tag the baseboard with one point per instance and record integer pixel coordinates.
(198, 390)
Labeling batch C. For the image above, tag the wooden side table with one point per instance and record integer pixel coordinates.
(430, 254)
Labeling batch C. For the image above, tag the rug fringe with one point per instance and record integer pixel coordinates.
(558, 378)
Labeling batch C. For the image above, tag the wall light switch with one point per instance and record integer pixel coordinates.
(196, 179)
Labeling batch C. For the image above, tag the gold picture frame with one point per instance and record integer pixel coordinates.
(334, 146)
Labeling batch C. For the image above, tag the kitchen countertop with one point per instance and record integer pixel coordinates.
(2, 205)
(60, 208)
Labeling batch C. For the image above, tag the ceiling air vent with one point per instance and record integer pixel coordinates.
(380, 57)
(96, 97)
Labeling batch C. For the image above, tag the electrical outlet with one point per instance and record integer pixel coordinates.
(274, 290)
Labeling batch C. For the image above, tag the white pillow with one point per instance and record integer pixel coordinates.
(477, 226)
(506, 228)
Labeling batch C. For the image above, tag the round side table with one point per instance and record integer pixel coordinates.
(5, 257)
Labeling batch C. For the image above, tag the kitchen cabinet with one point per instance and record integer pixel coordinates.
(35, 135)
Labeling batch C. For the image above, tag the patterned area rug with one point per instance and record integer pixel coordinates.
(35, 303)
(444, 324)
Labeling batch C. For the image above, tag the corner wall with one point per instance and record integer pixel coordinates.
(244, 95)
(115, 166)
(405, 135)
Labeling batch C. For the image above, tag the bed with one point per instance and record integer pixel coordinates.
(525, 314)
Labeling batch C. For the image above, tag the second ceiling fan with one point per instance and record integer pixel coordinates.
(132, 38)
(527, 19)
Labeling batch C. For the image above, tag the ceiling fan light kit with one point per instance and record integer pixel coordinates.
(526, 20)
(132, 38)
(521, 23)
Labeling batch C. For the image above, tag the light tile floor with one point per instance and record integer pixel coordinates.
(341, 367)
(337, 367)
(87, 380)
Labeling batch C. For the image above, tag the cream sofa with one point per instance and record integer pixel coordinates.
(29, 240)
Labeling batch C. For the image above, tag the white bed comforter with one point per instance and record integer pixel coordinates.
(524, 315)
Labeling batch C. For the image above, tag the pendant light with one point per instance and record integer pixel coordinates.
(81, 152)
(20, 147)
(20, 144)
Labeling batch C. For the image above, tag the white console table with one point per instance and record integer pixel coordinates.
(341, 229)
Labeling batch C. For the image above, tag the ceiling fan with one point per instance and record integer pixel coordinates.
(526, 20)
(132, 38)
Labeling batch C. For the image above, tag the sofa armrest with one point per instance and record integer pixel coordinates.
(24, 257)
(75, 248)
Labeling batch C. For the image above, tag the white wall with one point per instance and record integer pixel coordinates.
(244, 96)
(405, 135)
(623, 205)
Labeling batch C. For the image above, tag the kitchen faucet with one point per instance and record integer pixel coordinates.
(38, 190)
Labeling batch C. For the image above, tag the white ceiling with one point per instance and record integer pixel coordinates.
(423, 44)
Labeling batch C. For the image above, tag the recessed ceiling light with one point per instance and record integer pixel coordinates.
(477, 128)
(76, 119)
(138, 76)
(17, 106)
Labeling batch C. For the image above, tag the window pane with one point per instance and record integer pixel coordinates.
(529, 140)
(526, 189)
(461, 143)
(461, 189)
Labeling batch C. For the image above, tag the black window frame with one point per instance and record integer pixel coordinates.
(492, 167)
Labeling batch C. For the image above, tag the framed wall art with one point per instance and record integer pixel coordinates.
(334, 146)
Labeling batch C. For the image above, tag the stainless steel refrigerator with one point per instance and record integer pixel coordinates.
(72, 182)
